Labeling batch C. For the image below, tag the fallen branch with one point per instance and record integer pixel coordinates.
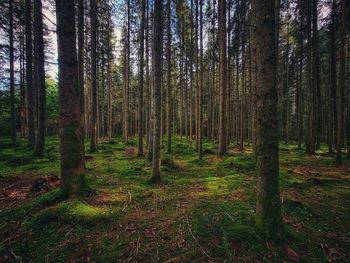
(130, 197)
(129, 201)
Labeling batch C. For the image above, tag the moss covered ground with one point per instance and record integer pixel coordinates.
(203, 211)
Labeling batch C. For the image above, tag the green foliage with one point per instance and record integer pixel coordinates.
(52, 109)
(52, 106)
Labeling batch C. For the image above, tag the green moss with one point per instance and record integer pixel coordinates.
(214, 197)
(47, 199)
(72, 211)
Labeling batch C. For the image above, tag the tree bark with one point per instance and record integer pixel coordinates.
(126, 78)
(12, 77)
(223, 84)
(81, 67)
(72, 158)
(157, 74)
(169, 93)
(93, 18)
(29, 74)
(200, 95)
(40, 77)
(140, 99)
(341, 83)
(268, 208)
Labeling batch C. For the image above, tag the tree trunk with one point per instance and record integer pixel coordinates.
(29, 74)
(12, 77)
(72, 158)
(22, 94)
(308, 143)
(93, 18)
(126, 78)
(140, 102)
(200, 91)
(315, 81)
(169, 93)
(223, 64)
(300, 85)
(40, 80)
(157, 73)
(81, 67)
(333, 82)
(268, 209)
(341, 83)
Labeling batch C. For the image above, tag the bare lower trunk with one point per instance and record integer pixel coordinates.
(93, 133)
(72, 158)
(268, 208)
(40, 80)
(140, 98)
(223, 85)
(157, 71)
(12, 78)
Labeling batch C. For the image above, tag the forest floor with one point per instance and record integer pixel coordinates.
(203, 211)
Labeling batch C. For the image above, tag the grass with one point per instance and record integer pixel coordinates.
(203, 210)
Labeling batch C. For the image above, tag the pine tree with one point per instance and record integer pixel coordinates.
(157, 75)
(72, 159)
(40, 77)
(223, 79)
(268, 209)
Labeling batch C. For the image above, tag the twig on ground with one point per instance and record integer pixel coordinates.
(130, 197)
(199, 245)
(129, 201)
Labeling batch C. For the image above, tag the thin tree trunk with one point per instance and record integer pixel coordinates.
(29, 74)
(191, 73)
(22, 108)
(40, 74)
(93, 18)
(223, 64)
(197, 75)
(126, 78)
(157, 72)
(81, 68)
(200, 95)
(299, 90)
(341, 83)
(308, 147)
(140, 102)
(333, 82)
(12, 77)
(169, 93)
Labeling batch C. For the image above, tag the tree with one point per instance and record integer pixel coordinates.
(29, 73)
(93, 18)
(268, 208)
(81, 66)
(40, 77)
(157, 75)
(333, 81)
(169, 93)
(141, 66)
(72, 158)
(223, 80)
(200, 92)
(341, 82)
(12, 78)
(126, 77)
